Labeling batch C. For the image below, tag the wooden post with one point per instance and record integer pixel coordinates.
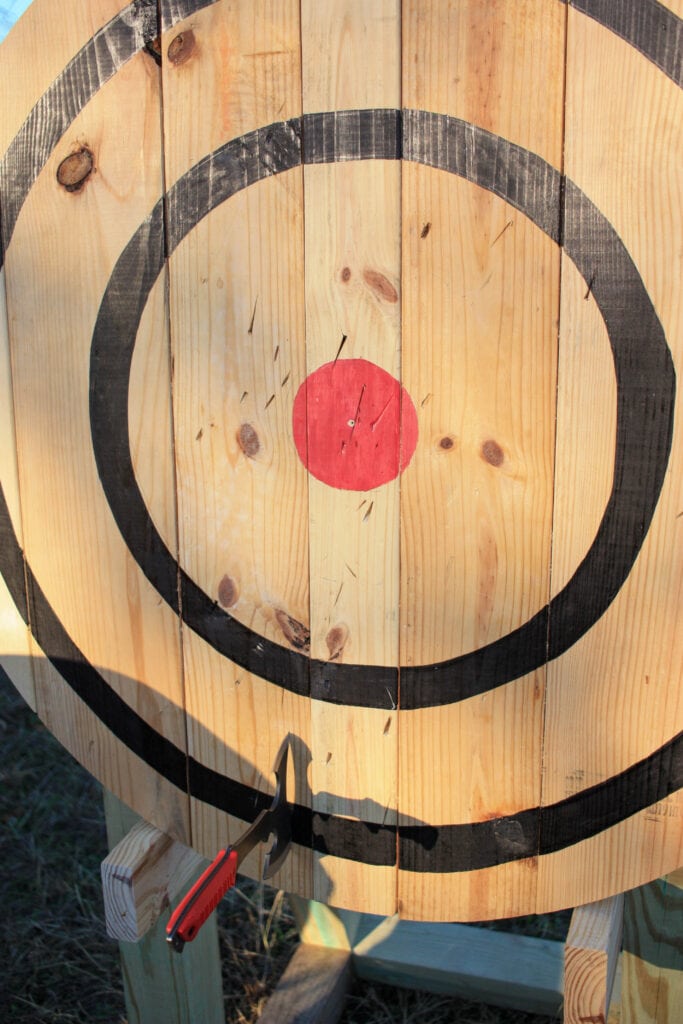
(313, 988)
(652, 981)
(160, 985)
(590, 960)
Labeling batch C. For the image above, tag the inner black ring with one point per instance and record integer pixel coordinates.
(644, 373)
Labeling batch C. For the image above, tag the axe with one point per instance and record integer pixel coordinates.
(209, 889)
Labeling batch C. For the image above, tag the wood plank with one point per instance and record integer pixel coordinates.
(481, 964)
(142, 875)
(313, 988)
(497, 968)
(30, 79)
(591, 954)
(158, 983)
(652, 984)
(56, 43)
(14, 640)
(91, 610)
(612, 699)
(480, 306)
(237, 335)
(352, 273)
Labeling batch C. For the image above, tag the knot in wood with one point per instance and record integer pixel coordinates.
(75, 169)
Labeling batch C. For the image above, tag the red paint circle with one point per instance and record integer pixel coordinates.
(355, 426)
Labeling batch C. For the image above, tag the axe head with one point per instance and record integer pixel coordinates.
(272, 821)
(278, 816)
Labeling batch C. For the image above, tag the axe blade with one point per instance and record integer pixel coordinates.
(221, 874)
(279, 813)
(272, 821)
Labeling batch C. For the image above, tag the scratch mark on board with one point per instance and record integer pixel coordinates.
(376, 421)
(250, 329)
(266, 53)
(354, 421)
(341, 346)
(501, 233)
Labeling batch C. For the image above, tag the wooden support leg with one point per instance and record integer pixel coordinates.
(652, 980)
(161, 987)
(515, 971)
(313, 988)
(590, 960)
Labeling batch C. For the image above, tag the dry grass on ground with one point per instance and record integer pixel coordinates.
(57, 964)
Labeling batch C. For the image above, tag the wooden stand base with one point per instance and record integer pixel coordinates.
(160, 987)
(586, 976)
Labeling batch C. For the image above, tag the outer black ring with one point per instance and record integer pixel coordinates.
(650, 28)
(644, 371)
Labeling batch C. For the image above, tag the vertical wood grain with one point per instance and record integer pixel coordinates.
(591, 953)
(158, 984)
(237, 331)
(352, 273)
(86, 600)
(358, 265)
(602, 711)
(14, 639)
(480, 306)
(29, 79)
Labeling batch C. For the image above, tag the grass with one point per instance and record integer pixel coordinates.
(59, 967)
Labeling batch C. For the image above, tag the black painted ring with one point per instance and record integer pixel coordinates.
(644, 372)
(655, 32)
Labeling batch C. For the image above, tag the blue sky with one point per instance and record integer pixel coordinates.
(9, 12)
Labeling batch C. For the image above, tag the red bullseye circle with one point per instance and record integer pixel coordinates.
(355, 426)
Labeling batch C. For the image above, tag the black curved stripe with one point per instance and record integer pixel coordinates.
(638, 783)
(646, 387)
(648, 26)
(12, 560)
(646, 395)
(233, 167)
(645, 414)
(522, 178)
(173, 11)
(545, 830)
(655, 31)
(429, 849)
(86, 682)
(95, 63)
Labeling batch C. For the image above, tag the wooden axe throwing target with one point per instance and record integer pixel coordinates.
(340, 401)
